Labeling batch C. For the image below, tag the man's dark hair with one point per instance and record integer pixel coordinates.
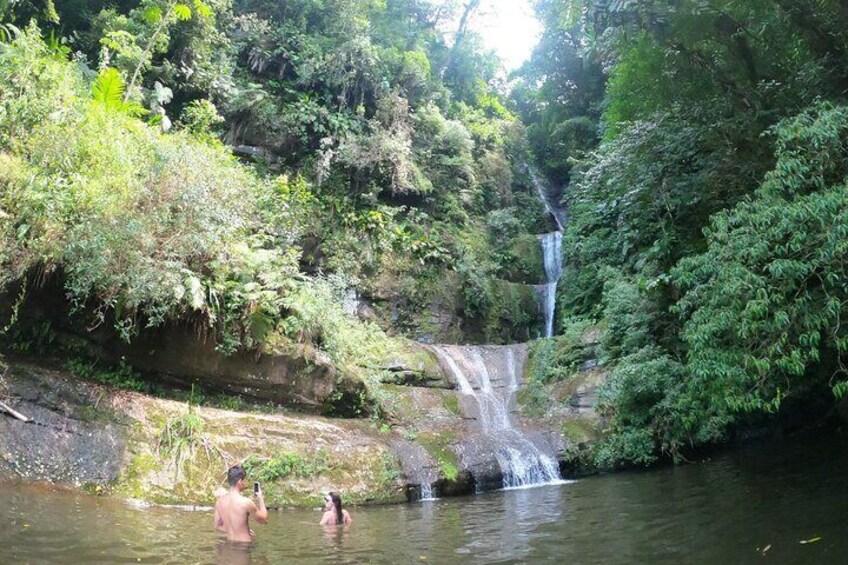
(235, 474)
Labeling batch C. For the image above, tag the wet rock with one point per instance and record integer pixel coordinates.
(418, 367)
(71, 439)
(569, 410)
(464, 484)
(588, 364)
(252, 152)
(401, 375)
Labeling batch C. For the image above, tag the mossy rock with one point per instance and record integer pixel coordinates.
(451, 403)
(413, 365)
(514, 315)
(580, 431)
(438, 445)
(527, 264)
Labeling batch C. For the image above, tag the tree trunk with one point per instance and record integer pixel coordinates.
(461, 30)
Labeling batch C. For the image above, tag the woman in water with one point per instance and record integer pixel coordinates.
(334, 513)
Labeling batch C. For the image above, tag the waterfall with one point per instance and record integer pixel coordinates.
(544, 191)
(490, 375)
(551, 252)
(427, 492)
(552, 256)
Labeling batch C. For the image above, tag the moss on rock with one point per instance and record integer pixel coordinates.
(438, 445)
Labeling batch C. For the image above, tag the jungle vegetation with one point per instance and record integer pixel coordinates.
(702, 146)
(244, 164)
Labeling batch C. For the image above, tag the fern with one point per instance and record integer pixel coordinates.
(108, 89)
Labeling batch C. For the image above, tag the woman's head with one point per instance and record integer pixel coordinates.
(332, 501)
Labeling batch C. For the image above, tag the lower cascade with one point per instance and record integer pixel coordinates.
(427, 492)
(490, 376)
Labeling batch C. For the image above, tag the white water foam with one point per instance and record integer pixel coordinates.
(521, 462)
(428, 493)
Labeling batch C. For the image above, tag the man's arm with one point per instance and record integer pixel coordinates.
(259, 512)
(219, 521)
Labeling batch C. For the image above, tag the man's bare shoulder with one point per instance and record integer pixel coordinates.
(235, 501)
(231, 499)
(244, 502)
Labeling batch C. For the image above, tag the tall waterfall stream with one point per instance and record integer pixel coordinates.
(551, 252)
(490, 376)
(552, 256)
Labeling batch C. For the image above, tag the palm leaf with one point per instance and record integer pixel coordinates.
(108, 89)
(202, 9)
(153, 15)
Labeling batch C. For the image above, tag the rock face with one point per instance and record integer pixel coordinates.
(425, 429)
(301, 378)
(471, 435)
(569, 410)
(439, 317)
(164, 451)
(73, 438)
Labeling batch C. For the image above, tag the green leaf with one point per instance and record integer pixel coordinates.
(202, 9)
(153, 14)
(182, 12)
(108, 89)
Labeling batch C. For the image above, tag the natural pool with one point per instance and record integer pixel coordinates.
(717, 511)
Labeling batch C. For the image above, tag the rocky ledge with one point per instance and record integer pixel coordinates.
(168, 451)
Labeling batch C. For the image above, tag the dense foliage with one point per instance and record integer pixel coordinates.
(145, 227)
(375, 158)
(706, 183)
(250, 166)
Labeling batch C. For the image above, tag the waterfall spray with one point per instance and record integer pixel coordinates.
(490, 375)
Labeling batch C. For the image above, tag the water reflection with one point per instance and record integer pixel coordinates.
(719, 511)
(237, 553)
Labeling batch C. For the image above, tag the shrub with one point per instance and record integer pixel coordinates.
(285, 465)
(143, 227)
(763, 305)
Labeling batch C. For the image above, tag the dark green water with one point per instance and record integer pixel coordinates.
(714, 512)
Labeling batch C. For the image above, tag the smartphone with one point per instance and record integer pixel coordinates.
(255, 488)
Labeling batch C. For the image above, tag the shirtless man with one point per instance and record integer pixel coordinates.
(232, 510)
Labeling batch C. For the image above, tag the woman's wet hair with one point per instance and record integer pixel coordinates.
(235, 474)
(337, 505)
